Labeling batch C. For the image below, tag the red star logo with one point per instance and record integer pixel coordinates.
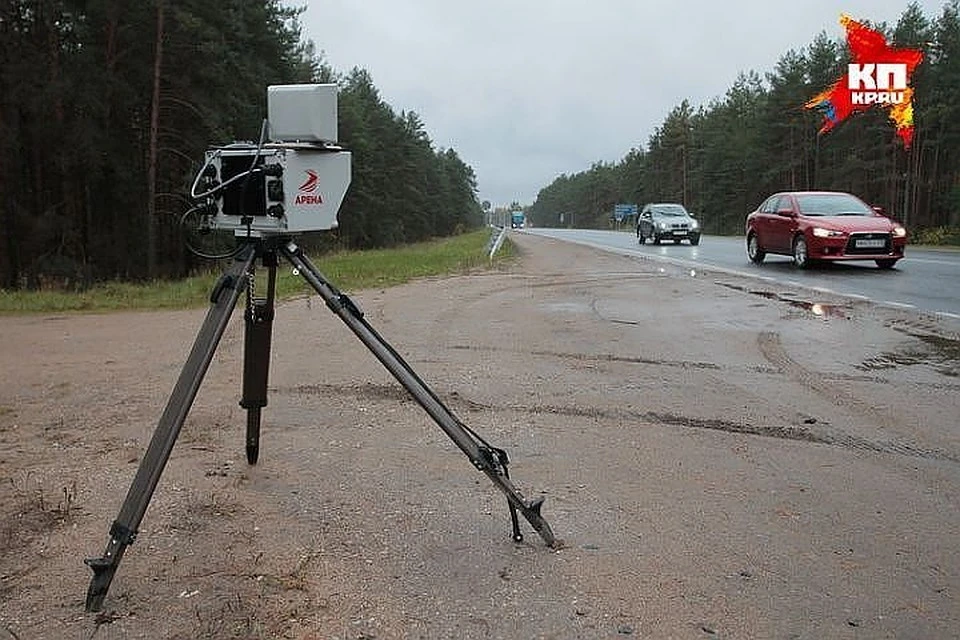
(878, 75)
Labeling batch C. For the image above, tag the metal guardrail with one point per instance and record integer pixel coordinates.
(496, 239)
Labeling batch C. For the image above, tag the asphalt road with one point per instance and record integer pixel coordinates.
(926, 279)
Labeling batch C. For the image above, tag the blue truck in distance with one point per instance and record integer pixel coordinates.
(517, 220)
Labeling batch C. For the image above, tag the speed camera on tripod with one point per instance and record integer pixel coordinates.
(292, 181)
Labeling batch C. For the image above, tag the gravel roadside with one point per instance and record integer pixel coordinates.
(722, 461)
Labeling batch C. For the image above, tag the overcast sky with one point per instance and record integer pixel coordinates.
(527, 90)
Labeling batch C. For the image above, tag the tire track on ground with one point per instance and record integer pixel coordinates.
(799, 433)
(773, 351)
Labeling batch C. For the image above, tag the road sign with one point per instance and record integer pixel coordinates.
(621, 211)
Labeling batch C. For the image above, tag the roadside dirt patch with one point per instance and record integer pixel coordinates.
(719, 462)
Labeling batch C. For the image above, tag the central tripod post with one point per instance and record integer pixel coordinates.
(258, 330)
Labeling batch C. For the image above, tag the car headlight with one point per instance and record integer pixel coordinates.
(827, 233)
(899, 232)
(694, 224)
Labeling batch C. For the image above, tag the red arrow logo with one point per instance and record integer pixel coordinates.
(310, 185)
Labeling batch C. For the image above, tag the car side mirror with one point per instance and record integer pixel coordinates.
(878, 209)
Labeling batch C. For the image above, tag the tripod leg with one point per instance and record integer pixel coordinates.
(258, 327)
(123, 531)
(490, 460)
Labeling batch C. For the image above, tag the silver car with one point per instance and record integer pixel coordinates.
(667, 221)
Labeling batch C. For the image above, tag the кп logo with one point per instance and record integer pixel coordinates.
(879, 74)
(305, 194)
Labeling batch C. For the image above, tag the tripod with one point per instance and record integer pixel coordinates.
(258, 328)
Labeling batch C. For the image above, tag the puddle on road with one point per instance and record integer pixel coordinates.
(817, 309)
(938, 352)
(943, 354)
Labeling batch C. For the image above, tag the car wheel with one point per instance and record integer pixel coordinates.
(800, 256)
(887, 263)
(754, 251)
(694, 240)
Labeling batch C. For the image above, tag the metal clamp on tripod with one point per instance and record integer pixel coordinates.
(264, 195)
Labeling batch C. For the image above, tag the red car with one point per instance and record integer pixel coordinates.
(823, 225)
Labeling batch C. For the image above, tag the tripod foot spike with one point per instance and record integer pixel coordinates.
(541, 525)
(103, 571)
(515, 521)
(535, 505)
(531, 511)
(253, 435)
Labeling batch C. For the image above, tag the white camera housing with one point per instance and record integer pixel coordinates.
(292, 184)
(302, 112)
(294, 189)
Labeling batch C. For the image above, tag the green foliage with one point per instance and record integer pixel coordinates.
(106, 109)
(348, 270)
(722, 159)
(388, 267)
(940, 236)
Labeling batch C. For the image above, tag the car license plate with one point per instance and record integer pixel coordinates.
(870, 243)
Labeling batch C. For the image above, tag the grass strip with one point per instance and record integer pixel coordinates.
(347, 270)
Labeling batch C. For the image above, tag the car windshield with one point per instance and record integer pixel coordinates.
(671, 210)
(832, 204)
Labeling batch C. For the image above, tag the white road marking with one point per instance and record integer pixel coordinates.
(755, 276)
(949, 263)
